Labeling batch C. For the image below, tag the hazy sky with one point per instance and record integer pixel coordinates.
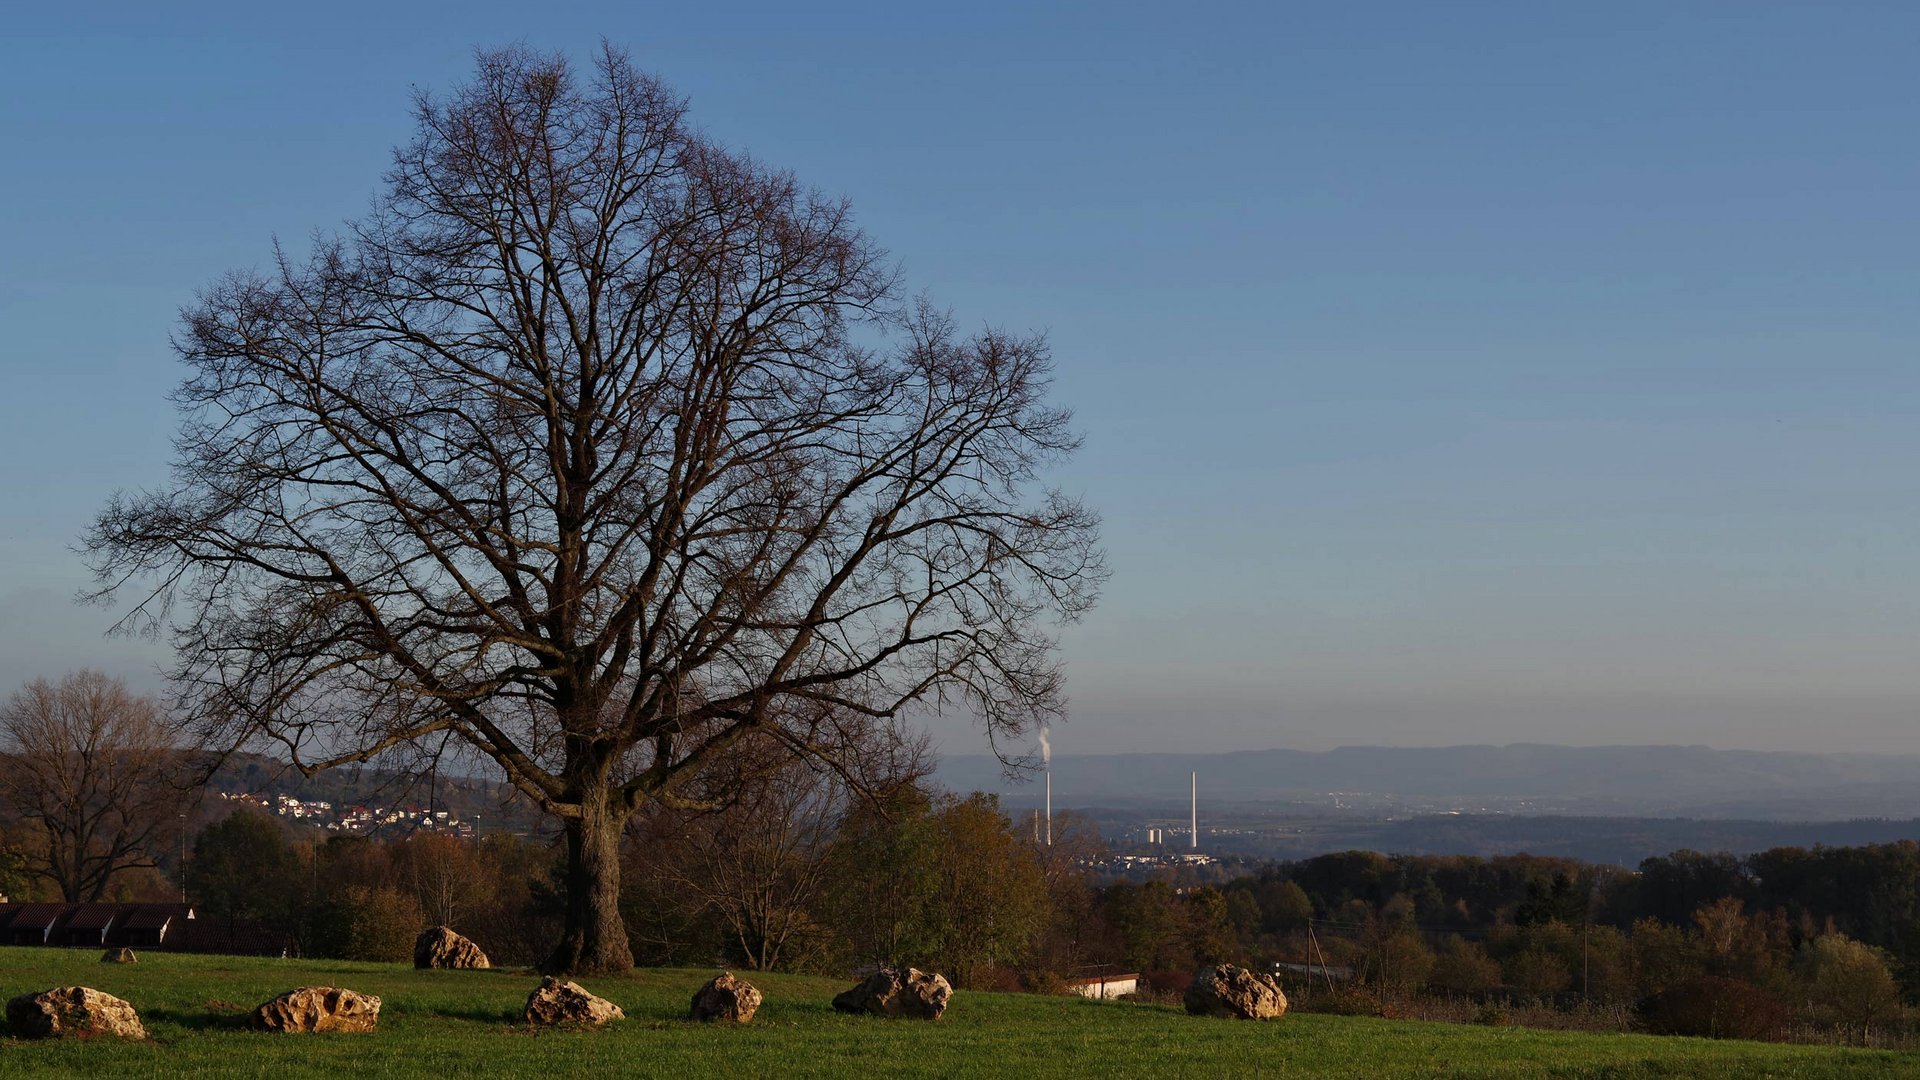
(1449, 372)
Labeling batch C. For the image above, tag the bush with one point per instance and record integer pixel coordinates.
(367, 924)
(1847, 983)
(1045, 982)
(1463, 967)
(1167, 982)
(1537, 971)
(1346, 1000)
(1398, 960)
(1717, 1008)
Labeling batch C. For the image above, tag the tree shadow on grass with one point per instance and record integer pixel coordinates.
(477, 1014)
(213, 1018)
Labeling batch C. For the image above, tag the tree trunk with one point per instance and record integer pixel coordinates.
(595, 940)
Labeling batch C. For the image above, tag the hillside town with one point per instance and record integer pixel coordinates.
(356, 819)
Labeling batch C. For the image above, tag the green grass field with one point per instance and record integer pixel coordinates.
(446, 1024)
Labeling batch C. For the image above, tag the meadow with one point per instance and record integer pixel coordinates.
(446, 1024)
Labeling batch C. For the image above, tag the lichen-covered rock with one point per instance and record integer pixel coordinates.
(319, 1008)
(566, 1003)
(119, 956)
(72, 1011)
(890, 992)
(440, 947)
(725, 997)
(1235, 993)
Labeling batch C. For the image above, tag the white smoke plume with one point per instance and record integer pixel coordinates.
(1046, 748)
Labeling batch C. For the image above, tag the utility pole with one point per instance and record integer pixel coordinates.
(183, 857)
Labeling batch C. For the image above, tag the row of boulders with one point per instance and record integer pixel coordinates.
(1225, 991)
(84, 1011)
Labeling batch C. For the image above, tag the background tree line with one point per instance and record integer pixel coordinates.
(790, 861)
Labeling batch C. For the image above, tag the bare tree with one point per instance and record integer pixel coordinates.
(93, 768)
(597, 449)
(759, 865)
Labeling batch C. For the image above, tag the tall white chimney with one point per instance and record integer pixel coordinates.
(1193, 807)
(1049, 807)
(1046, 762)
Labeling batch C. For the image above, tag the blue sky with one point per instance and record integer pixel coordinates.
(1450, 373)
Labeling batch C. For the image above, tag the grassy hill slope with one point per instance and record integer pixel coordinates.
(453, 1024)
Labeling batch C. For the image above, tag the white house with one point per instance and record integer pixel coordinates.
(1105, 987)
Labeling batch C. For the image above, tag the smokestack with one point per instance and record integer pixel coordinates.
(1046, 760)
(1193, 807)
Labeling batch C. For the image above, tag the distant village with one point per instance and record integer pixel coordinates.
(357, 818)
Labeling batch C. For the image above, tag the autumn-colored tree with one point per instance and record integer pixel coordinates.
(1463, 967)
(988, 906)
(1538, 971)
(1076, 934)
(1847, 984)
(244, 869)
(360, 922)
(449, 882)
(92, 771)
(1665, 955)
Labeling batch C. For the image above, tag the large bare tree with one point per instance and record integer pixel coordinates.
(598, 449)
(92, 768)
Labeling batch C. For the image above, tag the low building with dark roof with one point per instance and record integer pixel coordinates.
(92, 925)
(33, 924)
(147, 925)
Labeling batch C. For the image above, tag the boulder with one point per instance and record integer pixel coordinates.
(566, 1003)
(72, 1011)
(891, 992)
(119, 956)
(725, 997)
(1235, 993)
(319, 1008)
(440, 947)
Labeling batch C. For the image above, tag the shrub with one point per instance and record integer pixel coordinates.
(1848, 984)
(1045, 982)
(1347, 1000)
(362, 923)
(1717, 1008)
(1463, 967)
(1537, 971)
(1399, 960)
(1167, 982)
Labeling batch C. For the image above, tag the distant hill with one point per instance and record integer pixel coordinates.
(1639, 781)
(1623, 841)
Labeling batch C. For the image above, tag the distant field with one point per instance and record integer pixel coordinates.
(448, 1025)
